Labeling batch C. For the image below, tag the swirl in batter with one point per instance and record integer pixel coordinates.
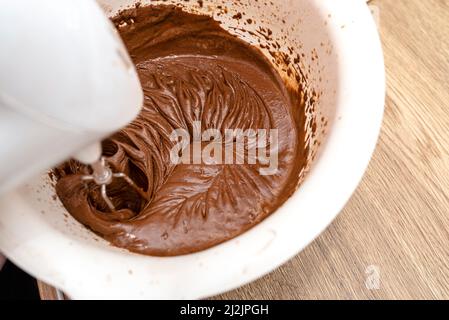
(191, 70)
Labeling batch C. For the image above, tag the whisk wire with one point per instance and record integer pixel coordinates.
(102, 175)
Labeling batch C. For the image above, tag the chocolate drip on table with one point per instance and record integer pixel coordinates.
(191, 70)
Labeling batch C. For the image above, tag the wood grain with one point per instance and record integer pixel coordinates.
(398, 219)
(48, 292)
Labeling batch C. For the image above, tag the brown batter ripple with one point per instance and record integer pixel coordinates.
(191, 70)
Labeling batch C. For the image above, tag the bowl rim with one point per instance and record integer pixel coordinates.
(338, 165)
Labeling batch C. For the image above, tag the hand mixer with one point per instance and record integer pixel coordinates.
(66, 82)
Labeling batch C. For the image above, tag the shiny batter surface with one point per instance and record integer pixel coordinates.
(191, 70)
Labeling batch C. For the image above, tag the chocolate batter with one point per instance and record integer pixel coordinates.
(191, 70)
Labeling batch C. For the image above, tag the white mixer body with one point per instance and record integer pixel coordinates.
(66, 82)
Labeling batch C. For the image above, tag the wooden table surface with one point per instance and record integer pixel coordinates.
(397, 223)
(395, 229)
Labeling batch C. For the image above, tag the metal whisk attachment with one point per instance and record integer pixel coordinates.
(102, 175)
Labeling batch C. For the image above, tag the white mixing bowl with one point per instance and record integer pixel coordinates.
(341, 48)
